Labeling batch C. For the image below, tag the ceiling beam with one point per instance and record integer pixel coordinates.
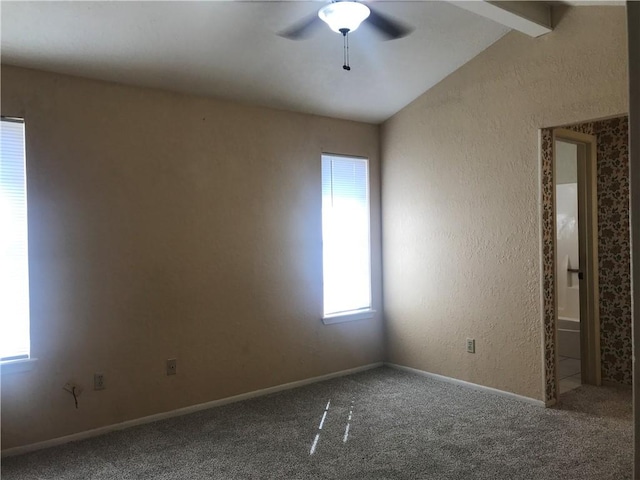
(529, 17)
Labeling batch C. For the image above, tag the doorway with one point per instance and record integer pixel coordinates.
(576, 260)
(611, 282)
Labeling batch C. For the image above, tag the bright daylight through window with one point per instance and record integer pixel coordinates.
(345, 235)
(14, 267)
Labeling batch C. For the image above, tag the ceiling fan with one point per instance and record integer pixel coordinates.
(345, 16)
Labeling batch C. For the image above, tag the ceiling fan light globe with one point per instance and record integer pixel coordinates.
(344, 15)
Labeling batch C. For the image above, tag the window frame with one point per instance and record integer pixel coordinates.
(366, 312)
(20, 363)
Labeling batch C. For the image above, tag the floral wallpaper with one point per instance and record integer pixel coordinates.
(613, 249)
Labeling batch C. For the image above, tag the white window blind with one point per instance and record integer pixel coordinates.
(14, 266)
(345, 235)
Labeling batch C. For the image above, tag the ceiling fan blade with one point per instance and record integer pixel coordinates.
(392, 29)
(302, 29)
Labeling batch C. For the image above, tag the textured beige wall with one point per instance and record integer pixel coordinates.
(165, 225)
(461, 198)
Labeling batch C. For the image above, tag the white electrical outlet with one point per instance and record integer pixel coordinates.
(471, 345)
(172, 366)
(98, 381)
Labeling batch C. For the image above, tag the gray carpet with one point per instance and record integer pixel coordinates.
(402, 426)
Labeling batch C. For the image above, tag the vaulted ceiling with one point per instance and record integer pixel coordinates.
(231, 50)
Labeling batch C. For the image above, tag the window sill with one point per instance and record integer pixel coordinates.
(348, 316)
(17, 366)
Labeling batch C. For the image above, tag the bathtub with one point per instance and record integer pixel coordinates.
(569, 337)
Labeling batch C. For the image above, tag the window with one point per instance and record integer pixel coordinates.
(345, 238)
(14, 266)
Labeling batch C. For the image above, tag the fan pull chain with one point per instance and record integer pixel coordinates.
(345, 36)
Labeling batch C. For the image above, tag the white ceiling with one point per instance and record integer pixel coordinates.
(230, 49)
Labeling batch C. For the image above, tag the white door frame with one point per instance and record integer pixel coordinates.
(591, 371)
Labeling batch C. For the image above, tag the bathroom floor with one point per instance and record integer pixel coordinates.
(569, 374)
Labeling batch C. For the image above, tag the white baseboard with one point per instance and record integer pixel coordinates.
(473, 386)
(181, 411)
